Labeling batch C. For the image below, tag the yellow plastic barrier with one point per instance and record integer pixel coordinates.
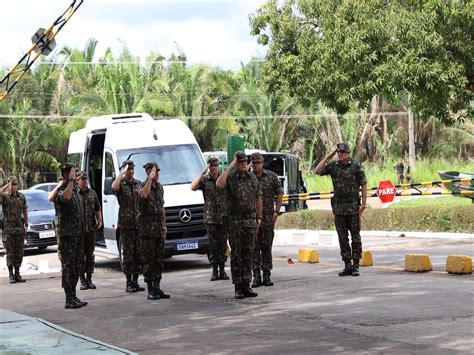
(417, 263)
(459, 264)
(308, 256)
(366, 259)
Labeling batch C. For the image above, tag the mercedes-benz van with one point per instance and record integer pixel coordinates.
(106, 141)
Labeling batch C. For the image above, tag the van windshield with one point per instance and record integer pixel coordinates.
(179, 164)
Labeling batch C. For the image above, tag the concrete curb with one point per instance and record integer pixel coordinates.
(329, 238)
(25, 334)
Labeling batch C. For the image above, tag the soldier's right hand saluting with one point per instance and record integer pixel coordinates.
(124, 170)
(153, 173)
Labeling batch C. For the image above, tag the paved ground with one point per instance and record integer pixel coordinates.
(309, 310)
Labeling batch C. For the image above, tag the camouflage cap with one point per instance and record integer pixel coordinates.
(66, 167)
(150, 165)
(343, 147)
(240, 156)
(13, 180)
(256, 157)
(128, 162)
(213, 161)
(82, 175)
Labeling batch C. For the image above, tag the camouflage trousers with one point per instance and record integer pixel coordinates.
(71, 255)
(344, 225)
(153, 247)
(217, 234)
(242, 240)
(89, 247)
(131, 251)
(13, 244)
(262, 253)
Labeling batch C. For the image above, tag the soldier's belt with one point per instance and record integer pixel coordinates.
(151, 218)
(345, 199)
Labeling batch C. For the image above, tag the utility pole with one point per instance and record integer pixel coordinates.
(411, 139)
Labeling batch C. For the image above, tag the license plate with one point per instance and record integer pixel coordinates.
(187, 245)
(49, 234)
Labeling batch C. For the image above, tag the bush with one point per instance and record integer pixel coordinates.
(416, 219)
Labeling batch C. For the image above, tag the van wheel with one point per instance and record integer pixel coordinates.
(291, 207)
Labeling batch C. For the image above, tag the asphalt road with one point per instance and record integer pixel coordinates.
(309, 310)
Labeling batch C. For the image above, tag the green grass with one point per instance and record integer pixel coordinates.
(444, 201)
(425, 171)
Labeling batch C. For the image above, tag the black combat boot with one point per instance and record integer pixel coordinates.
(77, 300)
(130, 287)
(70, 302)
(257, 279)
(355, 268)
(11, 276)
(136, 285)
(222, 274)
(84, 285)
(266, 279)
(247, 291)
(90, 284)
(159, 291)
(18, 277)
(238, 292)
(151, 291)
(347, 268)
(215, 275)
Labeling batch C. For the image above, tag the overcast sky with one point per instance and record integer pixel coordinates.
(211, 31)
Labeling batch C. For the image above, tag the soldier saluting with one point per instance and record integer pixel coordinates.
(348, 177)
(15, 222)
(245, 217)
(70, 230)
(152, 230)
(215, 208)
(126, 187)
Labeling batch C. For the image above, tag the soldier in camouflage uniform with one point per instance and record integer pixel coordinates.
(347, 178)
(245, 218)
(70, 233)
(215, 208)
(15, 223)
(272, 194)
(92, 221)
(126, 187)
(152, 222)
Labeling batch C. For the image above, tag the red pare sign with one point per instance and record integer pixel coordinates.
(386, 191)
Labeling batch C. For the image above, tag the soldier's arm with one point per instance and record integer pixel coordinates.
(259, 207)
(118, 179)
(221, 182)
(25, 216)
(195, 185)
(144, 192)
(52, 194)
(320, 167)
(3, 189)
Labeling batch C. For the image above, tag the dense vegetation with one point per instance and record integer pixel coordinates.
(347, 83)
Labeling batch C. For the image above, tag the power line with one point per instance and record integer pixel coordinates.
(215, 117)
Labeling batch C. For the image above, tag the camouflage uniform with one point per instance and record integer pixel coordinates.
(262, 254)
(13, 236)
(347, 180)
(70, 229)
(215, 209)
(90, 206)
(128, 200)
(151, 223)
(242, 194)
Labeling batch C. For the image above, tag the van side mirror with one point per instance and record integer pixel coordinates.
(108, 186)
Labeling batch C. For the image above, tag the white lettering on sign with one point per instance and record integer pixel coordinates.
(387, 191)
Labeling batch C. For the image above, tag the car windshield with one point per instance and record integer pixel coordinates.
(179, 164)
(38, 201)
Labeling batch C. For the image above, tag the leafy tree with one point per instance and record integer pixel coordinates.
(347, 51)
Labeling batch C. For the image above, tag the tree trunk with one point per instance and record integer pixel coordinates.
(411, 139)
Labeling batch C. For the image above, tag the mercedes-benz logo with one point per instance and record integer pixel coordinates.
(185, 215)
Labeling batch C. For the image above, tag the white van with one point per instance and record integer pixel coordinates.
(106, 141)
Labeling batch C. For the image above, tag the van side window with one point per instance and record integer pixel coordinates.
(109, 165)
